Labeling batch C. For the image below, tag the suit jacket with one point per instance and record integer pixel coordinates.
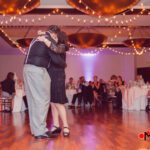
(41, 55)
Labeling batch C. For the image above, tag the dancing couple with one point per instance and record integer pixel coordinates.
(44, 79)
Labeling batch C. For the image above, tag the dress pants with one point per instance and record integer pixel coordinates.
(75, 96)
(37, 89)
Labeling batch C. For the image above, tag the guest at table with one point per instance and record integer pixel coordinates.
(18, 103)
(118, 85)
(89, 93)
(80, 91)
(70, 90)
(118, 95)
(120, 81)
(70, 84)
(103, 90)
(96, 86)
(8, 88)
(8, 85)
(111, 89)
(139, 80)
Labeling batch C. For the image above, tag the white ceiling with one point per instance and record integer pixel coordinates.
(54, 4)
(26, 28)
(71, 20)
(63, 4)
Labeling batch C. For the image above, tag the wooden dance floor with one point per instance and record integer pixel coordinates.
(96, 129)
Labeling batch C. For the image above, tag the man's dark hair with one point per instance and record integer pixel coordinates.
(10, 76)
(54, 29)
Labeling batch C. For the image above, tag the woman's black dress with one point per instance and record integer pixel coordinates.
(57, 75)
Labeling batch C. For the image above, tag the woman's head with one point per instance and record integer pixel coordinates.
(62, 38)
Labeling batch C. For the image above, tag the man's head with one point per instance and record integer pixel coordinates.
(54, 28)
(54, 31)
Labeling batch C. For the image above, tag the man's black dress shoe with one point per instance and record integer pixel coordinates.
(46, 135)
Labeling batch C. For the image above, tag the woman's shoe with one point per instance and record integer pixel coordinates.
(66, 134)
(56, 131)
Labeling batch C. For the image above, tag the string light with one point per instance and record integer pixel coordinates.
(75, 51)
(109, 20)
(13, 42)
(98, 20)
(133, 44)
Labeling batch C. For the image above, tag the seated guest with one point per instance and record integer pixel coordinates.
(84, 91)
(103, 90)
(139, 80)
(19, 104)
(89, 93)
(70, 90)
(79, 94)
(118, 84)
(8, 88)
(111, 88)
(8, 85)
(95, 83)
(70, 84)
(118, 95)
(96, 86)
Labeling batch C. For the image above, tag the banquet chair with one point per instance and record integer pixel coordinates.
(6, 104)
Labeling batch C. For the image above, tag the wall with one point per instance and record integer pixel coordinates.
(102, 65)
(11, 63)
(142, 61)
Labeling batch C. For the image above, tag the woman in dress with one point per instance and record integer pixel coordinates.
(58, 92)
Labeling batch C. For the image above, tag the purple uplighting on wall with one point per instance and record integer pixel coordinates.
(88, 65)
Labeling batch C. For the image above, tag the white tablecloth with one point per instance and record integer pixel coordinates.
(18, 101)
(134, 98)
(69, 94)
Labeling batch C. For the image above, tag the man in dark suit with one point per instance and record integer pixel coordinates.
(37, 80)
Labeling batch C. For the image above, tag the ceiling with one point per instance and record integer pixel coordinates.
(116, 28)
(63, 4)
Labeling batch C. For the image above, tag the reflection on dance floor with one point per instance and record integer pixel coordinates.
(91, 129)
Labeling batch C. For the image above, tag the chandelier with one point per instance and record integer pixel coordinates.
(139, 45)
(17, 6)
(25, 42)
(86, 39)
(102, 7)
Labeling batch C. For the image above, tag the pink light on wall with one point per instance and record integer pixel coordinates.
(88, 61)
